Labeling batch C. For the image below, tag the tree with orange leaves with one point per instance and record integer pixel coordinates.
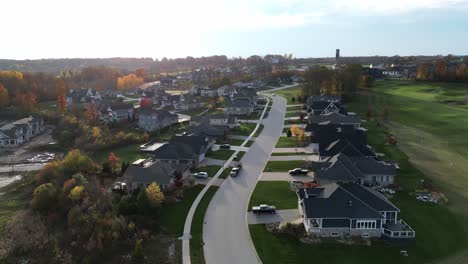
(91, 113)
(4, 99)
(114, 163)
(129, 81)
(61, 103)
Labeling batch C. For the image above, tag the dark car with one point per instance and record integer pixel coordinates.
(225, 146)
(263, 209)
(298, 171)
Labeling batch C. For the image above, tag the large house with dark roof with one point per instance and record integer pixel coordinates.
(333, 118)
(116, 112)
(150, 119)
(144, 172)
(20, 131)
(186, 150)
(350, 209)
(239, 106)
(323, 135)
(82, 96)
(188, 102)
(363, 170)
(324, 104)
(348, 147)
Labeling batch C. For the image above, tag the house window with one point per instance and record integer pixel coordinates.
(334, 234)
(365, 224)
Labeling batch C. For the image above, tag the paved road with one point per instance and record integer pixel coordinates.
(21, 167)
(280, 88)
(225, 233)
(280, 216)
(217, 182)
(284, 176)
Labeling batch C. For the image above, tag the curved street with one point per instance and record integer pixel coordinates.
(225, 231)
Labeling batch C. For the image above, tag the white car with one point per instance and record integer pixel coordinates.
(201, 175)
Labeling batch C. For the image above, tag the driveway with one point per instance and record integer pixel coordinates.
(284, 176)
(235, 148)
(280, 216)
(217, 182)
(225, 233)
(239, 137)
(298, 157)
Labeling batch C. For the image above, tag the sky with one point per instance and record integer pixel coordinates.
(33, 29)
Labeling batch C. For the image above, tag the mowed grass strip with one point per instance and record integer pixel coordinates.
(284, 166)
(222, 154)
(289, 93)
(211, 170)
(277, 193)
(196, 241)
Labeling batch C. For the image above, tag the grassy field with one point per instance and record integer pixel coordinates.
(275, 193)
(290, 93)
(283, 166)
(196, 243)
(223, 154)
(15, 197)
(290, 142)
(173, 215)
(128, 153)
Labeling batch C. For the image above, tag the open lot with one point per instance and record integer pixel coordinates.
(275, 193)
(290, 93)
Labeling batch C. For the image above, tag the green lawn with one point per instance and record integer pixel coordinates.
(173, 215)
(225, 173)
(244, 129)
(15, 197)
(196, 242)
(222, 154)
(294, 122)
(128, 153)
(285, 130)
(259, 130)
(238, 142)
(290, 142)
(275, 193)
(284, 166)
(292, 108)
(290, 93)
(293, 114)
(211, 170)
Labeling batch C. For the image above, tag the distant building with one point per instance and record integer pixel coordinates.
(20, 131)
(151, 119)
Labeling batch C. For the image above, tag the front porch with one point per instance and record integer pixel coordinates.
(399, 229)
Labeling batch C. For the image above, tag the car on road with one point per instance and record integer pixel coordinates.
(273, 94)
(235, 171)
(201, 175)
(298, 171)
(225, 146)
(264, 209)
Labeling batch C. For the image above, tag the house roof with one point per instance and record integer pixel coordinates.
(351, 149)
(182, 147)
(205, 129)
(159, 172)
(240, 102)
(161, 113)
(9, 130)
(346, 200)
(334, 118)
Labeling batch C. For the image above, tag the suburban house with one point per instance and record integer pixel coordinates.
(208, 92)
(116, 112)
(350, 209)
(246, 93)
(20, 131)
(323, 104)
(188, 102)
(217, 120)
(82, 96)
(226, 90)
(151, 119)
(194, 90)
(215, 132)
(363, 170)
(333, 118)
(186, 150)
(144, 172)
(349, 147)
(239, 106)
(163, 98)
(168, 81)
(322, 135)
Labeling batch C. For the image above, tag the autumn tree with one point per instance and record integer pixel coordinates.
(4, 99)
(421, 73)
(114, 163)
(30, 101)
(440, 71)
(76, 193)
(44, 197)
(155, 195)
(140, 73)
(146, 102)
(129, 81)
(91, 113)
(289, 133)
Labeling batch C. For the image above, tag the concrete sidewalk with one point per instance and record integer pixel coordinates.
(280, 216)
(235, 148)
(239, 137)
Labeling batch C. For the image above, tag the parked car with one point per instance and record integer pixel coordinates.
(225, 146)
(298, 171)
(264, 208)
(201, 175)
(273, 94)
(234, 171)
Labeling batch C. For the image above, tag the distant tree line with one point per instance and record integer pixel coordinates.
(343, 82)
(443, 70)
